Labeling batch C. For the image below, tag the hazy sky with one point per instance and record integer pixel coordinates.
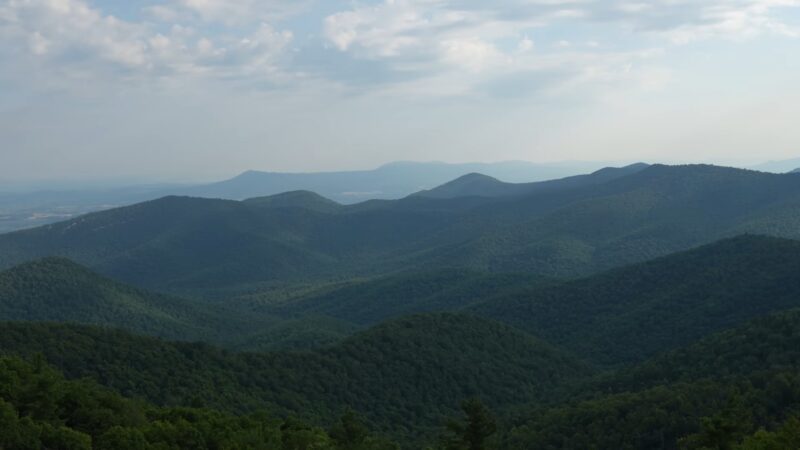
(202, 89)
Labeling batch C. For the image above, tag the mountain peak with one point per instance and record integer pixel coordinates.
(469, 185)
(296, 199)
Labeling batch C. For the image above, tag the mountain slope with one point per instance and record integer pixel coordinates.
(781, 166)
(296, 199)
(218, 248)
(472, 185)
(390, 181)
(42, 410)
(631, 313)
(58, 290)
(178, 240)
(372, 301)
(403, 375)
(22, 210)
(716, 391)
(653, 212)
(479, 185)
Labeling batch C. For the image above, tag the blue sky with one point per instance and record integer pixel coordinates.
(202, 89)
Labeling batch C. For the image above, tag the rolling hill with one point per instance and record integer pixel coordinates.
(22, 209)
(406, 375)
(296, 199)
(654, 212)
(403, 375)
(390, 181)
(780, 166)
(712, 394)
(59, 290)
(629, 314)
(221, 247)
(41, 409)
(479, 185)
(369, 302)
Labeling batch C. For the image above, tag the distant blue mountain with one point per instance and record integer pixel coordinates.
(782, 166)
(391, 181)
(19, 210)
(478, 185)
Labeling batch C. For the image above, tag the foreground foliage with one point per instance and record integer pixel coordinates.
(404, 376)
(39, 409)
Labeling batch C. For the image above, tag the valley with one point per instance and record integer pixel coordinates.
(629, 307)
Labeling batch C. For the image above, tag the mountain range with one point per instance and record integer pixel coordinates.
(779, 166)
(618, 317)
(27, 209)
(640, 307)
(58, 290)
(390, 181)
(405, 375)
(573, 227)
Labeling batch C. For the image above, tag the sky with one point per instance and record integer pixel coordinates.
(190, 90)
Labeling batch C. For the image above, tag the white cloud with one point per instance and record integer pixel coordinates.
(436, 38)
(470, 53)
(526, 44)
(79, 39)
(228, 12)
(458, 45)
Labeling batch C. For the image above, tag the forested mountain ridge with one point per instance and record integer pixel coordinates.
(296, 199)
(628, 314)
(404, 375)
(479, 185)
(369, 302)
(716, 393)
(200, 245)
(651, 213)
(26, 209)
(701, 346)
(56, 289)
(40, 409)
(390, 181)
(736, 382)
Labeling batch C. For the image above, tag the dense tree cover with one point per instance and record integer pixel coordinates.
(370, 302)
(403, 376)
(733, 389)
(40, 409)
(209, 246)
(297, 199)
(710, 395)
(710, 414)
(628, 314)
(479, 185)
(56, 289)
(474, 431)
(769, 342)
(650, 213)
(304, 333)
(785, 437)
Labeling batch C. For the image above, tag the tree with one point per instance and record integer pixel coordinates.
(350, 432)
(471, 434)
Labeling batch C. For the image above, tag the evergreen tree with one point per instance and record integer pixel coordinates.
(350, 432)
(473, 433)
